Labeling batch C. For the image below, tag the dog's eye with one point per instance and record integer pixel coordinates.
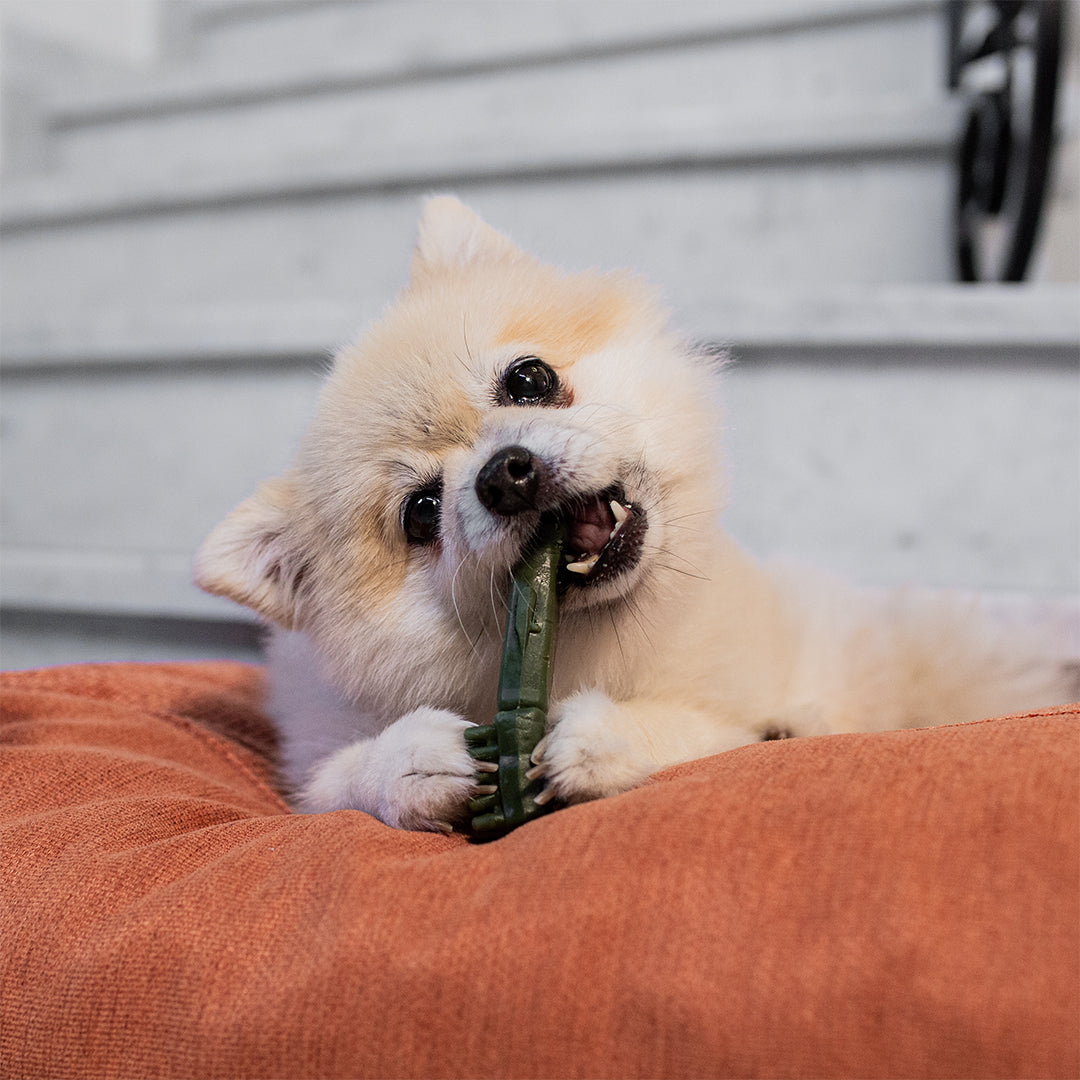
(420, 515)
(529, 381)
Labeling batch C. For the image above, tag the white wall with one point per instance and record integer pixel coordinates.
(125, 31)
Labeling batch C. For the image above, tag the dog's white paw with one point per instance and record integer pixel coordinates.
(428, 774)
(416, 774)
(585, 755)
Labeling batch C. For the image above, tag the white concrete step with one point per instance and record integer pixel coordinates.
(853, 324)
(303, 31)
(236, 53)
(335, 151)
(512, 110)
(694, 231)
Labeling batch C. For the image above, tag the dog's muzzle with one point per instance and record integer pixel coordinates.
(604, 530)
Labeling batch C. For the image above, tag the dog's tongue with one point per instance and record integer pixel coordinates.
(591, 528)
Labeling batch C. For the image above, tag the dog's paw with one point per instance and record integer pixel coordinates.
(428, 774)
(585, 754)
(416, 774)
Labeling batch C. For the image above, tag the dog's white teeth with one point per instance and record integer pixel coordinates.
(583, 566)
(620, 514)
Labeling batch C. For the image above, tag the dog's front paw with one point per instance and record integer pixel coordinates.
(585, 754)
(417, 774)
(428, 773)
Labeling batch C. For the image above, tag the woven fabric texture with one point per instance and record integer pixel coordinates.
(890, 905)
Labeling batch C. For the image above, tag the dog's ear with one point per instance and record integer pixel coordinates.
(254, 556)
(450, 236)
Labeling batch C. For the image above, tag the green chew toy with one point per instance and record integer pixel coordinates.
(524, 681)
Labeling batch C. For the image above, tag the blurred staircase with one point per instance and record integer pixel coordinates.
(183, 247)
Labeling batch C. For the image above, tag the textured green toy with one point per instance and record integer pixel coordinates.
(524, 681)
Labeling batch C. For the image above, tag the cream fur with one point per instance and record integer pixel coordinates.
(385, 652)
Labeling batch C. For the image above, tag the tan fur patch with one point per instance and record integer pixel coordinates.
(566, 324)
(380, 563)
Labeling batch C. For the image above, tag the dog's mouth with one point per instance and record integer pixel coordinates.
(605, 533)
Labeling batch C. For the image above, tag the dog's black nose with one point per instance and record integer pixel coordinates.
(508, 483)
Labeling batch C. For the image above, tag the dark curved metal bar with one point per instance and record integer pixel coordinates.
(1006, 150)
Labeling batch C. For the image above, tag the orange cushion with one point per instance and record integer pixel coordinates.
(901, 904)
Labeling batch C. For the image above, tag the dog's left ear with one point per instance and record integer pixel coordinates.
(451, 236)
(255, 557)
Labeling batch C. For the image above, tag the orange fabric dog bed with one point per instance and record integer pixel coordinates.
(901, 904)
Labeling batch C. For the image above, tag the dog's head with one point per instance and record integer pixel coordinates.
(494, 390)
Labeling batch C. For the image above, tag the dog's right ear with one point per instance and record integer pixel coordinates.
(254, 556)
(451, 236)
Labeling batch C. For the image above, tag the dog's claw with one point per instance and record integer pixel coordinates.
(486, 789)
(538, 751)
(544, 797)
(444, 827)
(487, 766)
(537, 771)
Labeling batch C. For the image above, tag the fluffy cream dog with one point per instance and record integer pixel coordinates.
(495, 388)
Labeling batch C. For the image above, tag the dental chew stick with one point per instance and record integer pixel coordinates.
(524, 681)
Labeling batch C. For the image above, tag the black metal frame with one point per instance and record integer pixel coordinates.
(1004, 57)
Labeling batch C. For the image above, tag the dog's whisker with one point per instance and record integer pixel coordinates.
(619, 416)
(496, 614)
(636, 614)
(684, 573)
(615, 630)
(682, 528)
(457, 608)
(669, 553)
(694, 513)
(465, 337)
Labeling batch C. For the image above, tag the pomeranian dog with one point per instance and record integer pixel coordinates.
(497, 388)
